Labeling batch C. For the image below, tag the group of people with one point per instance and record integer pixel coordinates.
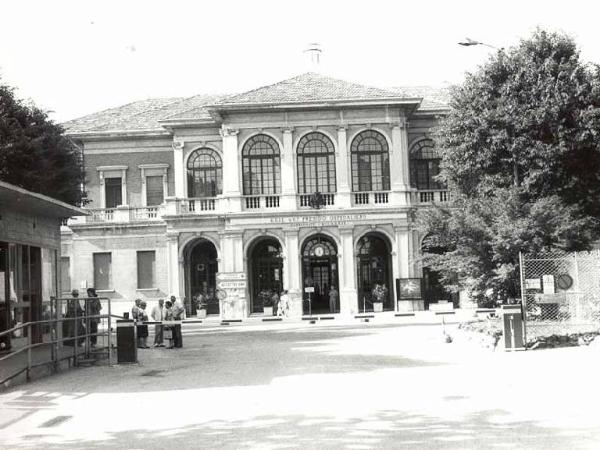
(82, 321)
(169, 311)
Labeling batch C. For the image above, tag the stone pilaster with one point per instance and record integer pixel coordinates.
(179, 170)
(291, 280)
(399, 164)
(347, 265)
(342, 167)
(231, 169)
(174, 265)
(288, 171)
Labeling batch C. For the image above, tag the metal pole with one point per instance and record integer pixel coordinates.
(523, 297)
(28, 375)
(76, 336)
(109, 336)
(512, 332)
(309, 304)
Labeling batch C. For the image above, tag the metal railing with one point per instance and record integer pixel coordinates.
(55, 327)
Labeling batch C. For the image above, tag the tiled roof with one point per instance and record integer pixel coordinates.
(140, 115)
(308, 87)
(145, 115)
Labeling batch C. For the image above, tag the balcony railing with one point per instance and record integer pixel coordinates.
(371, 198)
(261, 201)
(145, 213)
(305, 200)
(101, 215)
(430, 196)
(195, 205)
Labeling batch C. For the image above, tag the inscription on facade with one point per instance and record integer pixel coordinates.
(319, 221)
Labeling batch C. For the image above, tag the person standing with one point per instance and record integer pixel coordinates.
(142, 329)
(93, 307)
(178, 312)
(158, 315)
(168, 329)
(73, 323)
(333, 297)
(135, 309)
(284, 304)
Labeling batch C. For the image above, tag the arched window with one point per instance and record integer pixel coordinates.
(370, 162)
(205, 173)
(261, 166)
(424, 166)
(316, 164)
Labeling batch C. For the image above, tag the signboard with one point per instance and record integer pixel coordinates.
(563, 281)
(408, 288)
(533, 283)
(548, 281)
(231, 284)
(231, 276)
(309, 289)
(546, 299)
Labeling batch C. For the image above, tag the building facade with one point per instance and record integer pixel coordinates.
(307, 183)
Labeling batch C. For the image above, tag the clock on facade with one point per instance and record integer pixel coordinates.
(319, 251)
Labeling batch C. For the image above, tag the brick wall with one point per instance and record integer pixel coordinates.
(134, 173)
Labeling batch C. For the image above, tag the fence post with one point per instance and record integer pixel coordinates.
(28, 374)
(523, 296)
(76, 335)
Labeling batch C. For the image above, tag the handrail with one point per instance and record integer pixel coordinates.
(55, 340)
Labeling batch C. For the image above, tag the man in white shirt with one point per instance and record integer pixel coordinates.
(158, 314)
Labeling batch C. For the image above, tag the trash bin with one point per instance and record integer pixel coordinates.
(513, 329)
(126, 342)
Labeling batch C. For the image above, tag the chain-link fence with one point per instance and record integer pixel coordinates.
(561, 293)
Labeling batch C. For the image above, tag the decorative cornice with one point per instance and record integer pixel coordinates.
(226, 131)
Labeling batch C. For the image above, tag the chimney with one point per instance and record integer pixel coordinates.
(313, 56)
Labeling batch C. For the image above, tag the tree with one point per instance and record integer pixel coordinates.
(520, 151)
(34, 152)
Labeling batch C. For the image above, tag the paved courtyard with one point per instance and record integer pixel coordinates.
(360, 386)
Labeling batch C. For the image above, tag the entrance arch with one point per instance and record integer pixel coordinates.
(201, 267)
(433, 290)
(266, 267)
(374, 265)
(320, 271)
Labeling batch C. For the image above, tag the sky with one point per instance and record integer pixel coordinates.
(78, 57)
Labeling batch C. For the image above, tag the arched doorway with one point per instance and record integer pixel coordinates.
(374, 268)
(266, 267)
(201, 273)
(319, 271)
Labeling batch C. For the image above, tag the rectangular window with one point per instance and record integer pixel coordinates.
(146, 269)
(102, 271)
(154, 191)
(65, 275)
(113, 191)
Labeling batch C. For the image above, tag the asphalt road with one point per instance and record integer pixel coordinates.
(362, 386)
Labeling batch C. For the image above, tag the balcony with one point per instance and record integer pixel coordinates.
(306, 200)
(433, 196)
(370, 198)
(261, 201)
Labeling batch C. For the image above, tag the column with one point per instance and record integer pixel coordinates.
(291, 280)
(178, 169)
(342, 168)
(231, 169)
(174, 264)
(288, 172)
(347, 264)
(399, 164)
(235, 304)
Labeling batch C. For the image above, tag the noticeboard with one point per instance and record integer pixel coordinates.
(408, 288)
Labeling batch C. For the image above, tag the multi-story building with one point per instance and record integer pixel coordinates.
(309, 182)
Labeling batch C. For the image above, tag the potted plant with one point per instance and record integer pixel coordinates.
(201, 303)
(266, 297)
(379, 295)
